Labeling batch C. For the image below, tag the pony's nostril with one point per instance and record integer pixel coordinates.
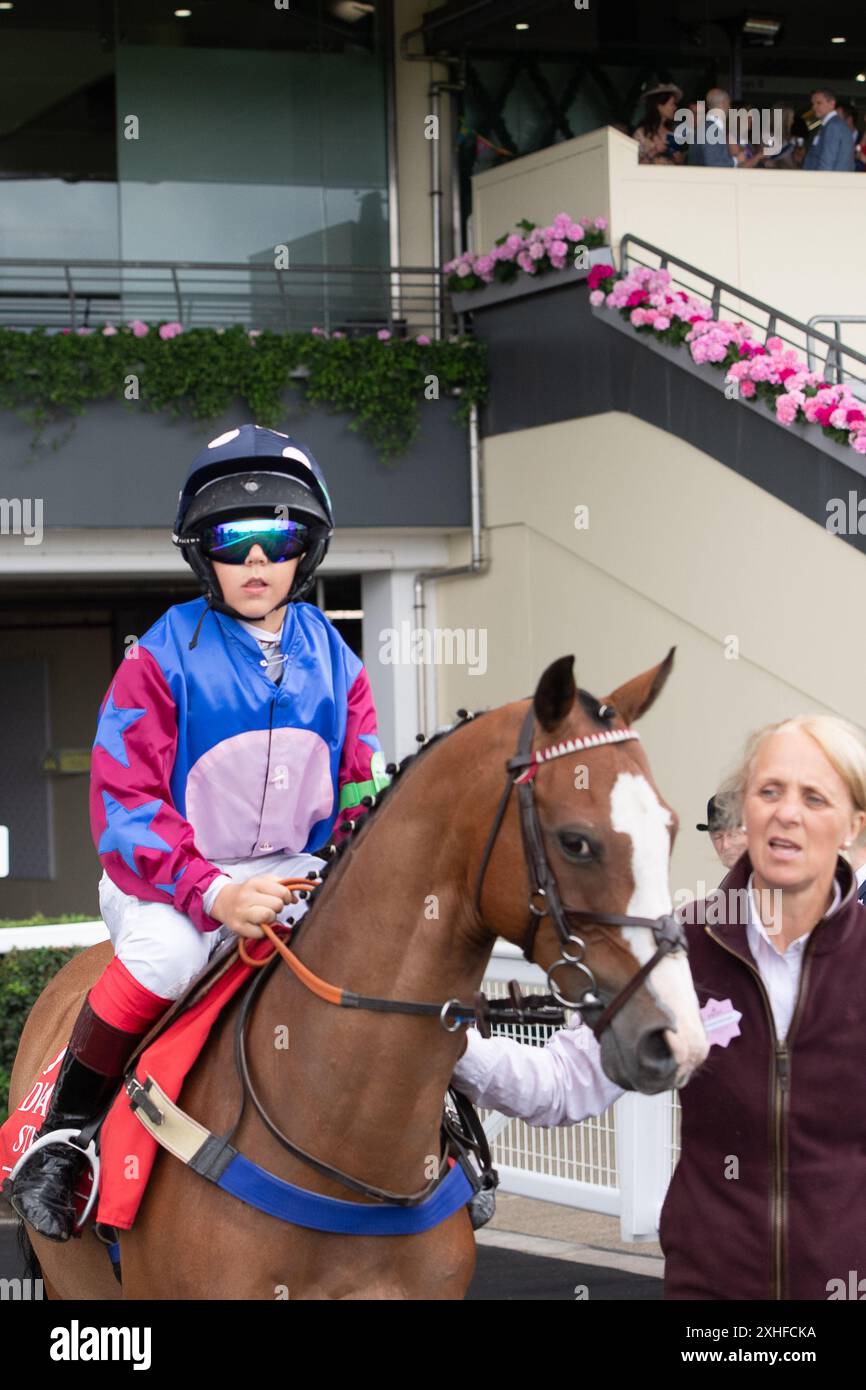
(653, 1053)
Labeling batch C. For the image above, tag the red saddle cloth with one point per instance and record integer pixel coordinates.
(127, 1150)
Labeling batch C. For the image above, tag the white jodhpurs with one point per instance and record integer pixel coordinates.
(160, 947)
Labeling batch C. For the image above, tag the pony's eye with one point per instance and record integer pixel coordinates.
(576, 846)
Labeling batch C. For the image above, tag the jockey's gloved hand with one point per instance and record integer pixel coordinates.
(243, 906)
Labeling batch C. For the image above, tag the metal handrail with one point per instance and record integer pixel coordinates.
(774, 323)
(50, 293)
(835, 319)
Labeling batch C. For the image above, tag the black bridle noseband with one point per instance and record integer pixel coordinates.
(544, 898)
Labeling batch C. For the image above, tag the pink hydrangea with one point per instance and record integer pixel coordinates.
(747, 388)
(383, 335)
(139, 328)
(422, 339)
(596, 297)
(170, 330)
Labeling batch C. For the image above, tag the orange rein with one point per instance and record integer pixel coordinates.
(332, 994)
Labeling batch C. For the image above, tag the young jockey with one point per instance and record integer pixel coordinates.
(231, 737)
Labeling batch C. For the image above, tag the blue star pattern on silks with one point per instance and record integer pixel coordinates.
(170, 887)
(113, 724)
(128, 829)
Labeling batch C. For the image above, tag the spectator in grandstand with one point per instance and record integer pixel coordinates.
(789, 154)
(655, 132)
(832, 148)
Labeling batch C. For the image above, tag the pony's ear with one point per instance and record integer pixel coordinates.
(555, 693)
(637, 695)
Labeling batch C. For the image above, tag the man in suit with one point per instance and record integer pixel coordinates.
(832, 147)
(713, 151)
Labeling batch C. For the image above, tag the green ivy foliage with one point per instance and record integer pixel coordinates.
(49, 377)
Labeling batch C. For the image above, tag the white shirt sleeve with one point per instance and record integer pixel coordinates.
(212, 892)
(558, 1084)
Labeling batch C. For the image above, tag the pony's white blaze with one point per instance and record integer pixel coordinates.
(637, 812)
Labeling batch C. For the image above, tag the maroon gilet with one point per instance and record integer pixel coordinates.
(768, 1200)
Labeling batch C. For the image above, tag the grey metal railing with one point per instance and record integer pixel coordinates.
(834, 360)
(835, 320)
(357, 300)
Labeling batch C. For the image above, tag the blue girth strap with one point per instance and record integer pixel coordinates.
(258, 1188)
(218, 1161)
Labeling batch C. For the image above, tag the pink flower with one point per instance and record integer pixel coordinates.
(858, 442)
(257, 333)
(84, 332)
(139, 328)
(855, 416)
(636, 297)
(337, 333)
(525, 261)
(786, 409)
(536, 250)
(422, 339)
(747, 389)
(383, 335)
(463, 268)
(558, 247)
(598, 273)
(170, 330)
(109, 330)
(661, 323)
(575, 232)
(638, 317)
(601, 224)
(596, 297)
(318, 332)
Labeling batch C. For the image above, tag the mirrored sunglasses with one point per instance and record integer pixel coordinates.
(230, 542)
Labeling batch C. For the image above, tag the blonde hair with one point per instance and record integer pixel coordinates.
(841, 742)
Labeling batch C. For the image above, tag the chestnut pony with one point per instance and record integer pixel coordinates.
(396, 917)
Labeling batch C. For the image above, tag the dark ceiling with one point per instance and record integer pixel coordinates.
(627, 29)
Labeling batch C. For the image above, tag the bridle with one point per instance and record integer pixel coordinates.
(544, 898)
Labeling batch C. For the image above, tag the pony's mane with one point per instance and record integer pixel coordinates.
(336, 853)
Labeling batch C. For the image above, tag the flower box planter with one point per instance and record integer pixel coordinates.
(467, 301)
(715, 377)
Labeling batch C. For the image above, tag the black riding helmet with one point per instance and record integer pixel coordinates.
(252, 471)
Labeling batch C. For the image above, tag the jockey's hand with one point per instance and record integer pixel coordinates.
(242, 906)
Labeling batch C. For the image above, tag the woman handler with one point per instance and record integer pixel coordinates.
(768, 1200)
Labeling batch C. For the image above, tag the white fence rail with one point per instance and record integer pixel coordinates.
(618, 1163)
